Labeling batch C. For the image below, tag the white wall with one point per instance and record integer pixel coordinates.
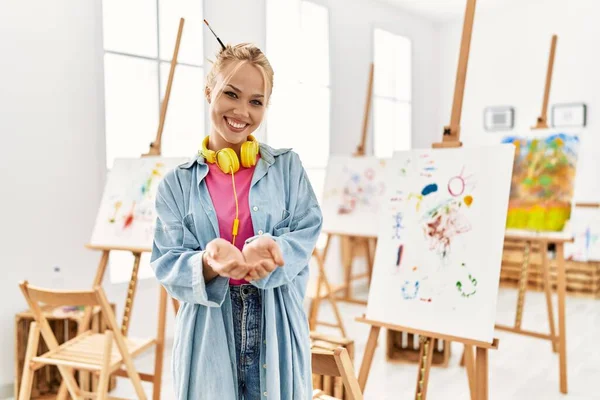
(351, 46)
(52, 152)
(509, 57)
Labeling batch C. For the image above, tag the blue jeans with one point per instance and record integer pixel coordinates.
(246, 304)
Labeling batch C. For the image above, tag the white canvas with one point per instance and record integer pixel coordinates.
(585, 228)
(126, 217)
(587, 184)
(352, 198)
(439, 251)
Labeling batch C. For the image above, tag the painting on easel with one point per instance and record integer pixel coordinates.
(352, 199)
(127, 216)
(542, 183)
(437, 264)
(585, 227)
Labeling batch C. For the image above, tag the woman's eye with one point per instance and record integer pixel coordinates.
(256, 102)
(231, 94)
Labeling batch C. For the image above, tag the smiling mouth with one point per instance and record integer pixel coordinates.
(235, 125)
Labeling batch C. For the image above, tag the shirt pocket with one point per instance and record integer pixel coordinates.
(283, 226)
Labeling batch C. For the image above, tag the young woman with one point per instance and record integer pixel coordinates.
(235, 231)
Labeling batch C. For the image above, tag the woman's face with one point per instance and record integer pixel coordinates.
(237, 105)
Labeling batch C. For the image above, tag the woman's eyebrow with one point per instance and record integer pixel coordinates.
(238, 90)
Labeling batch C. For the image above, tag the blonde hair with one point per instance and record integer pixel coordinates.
(241, 53)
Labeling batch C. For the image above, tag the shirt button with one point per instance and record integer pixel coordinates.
(265, 366)
(260, 232)
(254, 208)
(265, 393)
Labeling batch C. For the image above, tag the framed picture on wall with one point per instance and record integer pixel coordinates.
(569, 115)
(498, 118)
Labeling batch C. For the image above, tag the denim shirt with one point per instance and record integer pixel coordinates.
(282, 206)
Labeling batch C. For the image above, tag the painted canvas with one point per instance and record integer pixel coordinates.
(126, 217)
(585, 227)
(543, 181)
(439, 251)
(352, 198)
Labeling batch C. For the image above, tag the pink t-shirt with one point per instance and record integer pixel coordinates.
(220, 189)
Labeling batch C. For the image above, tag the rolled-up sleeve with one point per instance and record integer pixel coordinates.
(296, 241)
(178, 267)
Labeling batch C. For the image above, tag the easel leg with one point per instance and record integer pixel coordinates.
(367, 360)
(561, 289)
(330, 295)
(160, 344)
(425, 358)
(316, 303)
(548, 291)
(347, 257)
(369, 257)
(523, 285)
(131, 294)
(481, 364)
(469, 361)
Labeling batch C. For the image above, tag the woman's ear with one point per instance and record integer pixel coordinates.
(207, 93)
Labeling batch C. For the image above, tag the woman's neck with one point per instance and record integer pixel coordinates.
(216, 143)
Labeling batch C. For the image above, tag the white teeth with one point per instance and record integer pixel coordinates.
(235, 125)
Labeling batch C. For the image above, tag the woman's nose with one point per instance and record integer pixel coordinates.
(241, 110)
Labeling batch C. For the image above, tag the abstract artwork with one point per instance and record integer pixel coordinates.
(543, 181)
(126, 217)
(585, 228)
(353, 194)
(439, 250)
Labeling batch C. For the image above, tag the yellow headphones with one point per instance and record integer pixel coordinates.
(227, 160)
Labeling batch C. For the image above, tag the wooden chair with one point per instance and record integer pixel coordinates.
(335, 363)
(94, 352)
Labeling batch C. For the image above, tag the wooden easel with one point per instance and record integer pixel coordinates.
(351, 244)
(542, 240)
(542, 121)
(348, 244)
(477, 369)
(327, 293)
(557, 339)
(155, 150)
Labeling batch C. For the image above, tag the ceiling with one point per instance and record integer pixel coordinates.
(440, 10)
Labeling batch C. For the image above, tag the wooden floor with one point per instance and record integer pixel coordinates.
(522, 369)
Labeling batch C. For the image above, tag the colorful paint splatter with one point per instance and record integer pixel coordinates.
(141, 203)
(127, 217)
(360, 189)
(440, 240)
(443, 223)
(444, 217)
(398, 226)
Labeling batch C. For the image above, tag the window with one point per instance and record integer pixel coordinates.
(392, 93)
(299, 114)
(139, 39)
